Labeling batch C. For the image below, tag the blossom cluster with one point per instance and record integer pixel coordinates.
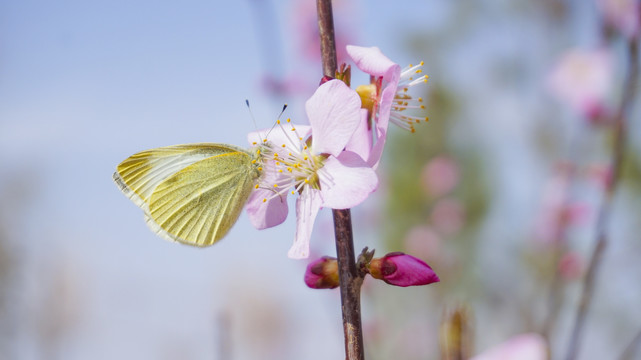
(331, 162)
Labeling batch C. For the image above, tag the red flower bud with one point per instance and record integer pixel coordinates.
(322, 273)
(400, 269)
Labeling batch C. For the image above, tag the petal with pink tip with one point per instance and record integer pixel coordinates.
(307, 207)
(372, 61)
(346, 181)
(334, 113)
(382, 123)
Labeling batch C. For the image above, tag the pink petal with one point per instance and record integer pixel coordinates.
(346, 181)
(410, 271)
(267, 214)
(382, 123)
(522, 347)
(307, 206)
(361, 141)
(372, 61)
(334, 113)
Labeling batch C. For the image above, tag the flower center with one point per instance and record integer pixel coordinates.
(369, 96)
(290, 164)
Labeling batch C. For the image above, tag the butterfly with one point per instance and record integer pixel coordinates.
(191, 193)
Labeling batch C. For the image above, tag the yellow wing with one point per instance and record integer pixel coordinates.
(190, 193)
(139, 174)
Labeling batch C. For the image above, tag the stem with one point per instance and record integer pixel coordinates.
(350, 284)
(349, 276)
(604, 212)
(326, 31)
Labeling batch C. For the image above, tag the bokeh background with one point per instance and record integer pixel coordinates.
(498, 192)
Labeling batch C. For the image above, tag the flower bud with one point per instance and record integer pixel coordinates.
(322, 273)
(400, 269)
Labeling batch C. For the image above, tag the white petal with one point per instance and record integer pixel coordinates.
(307, 207)
(346, 181)
(334, 113)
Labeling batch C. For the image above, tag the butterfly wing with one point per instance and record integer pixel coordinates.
(190, 193)
(138, 175)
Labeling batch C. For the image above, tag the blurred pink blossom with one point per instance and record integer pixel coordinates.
(440, 176)
(584, 80)
(521, 347)
(601, 174)
(624, 15)
(571, 266)
(448, 216)
(306, 29)
(283, 85)
(423, 241)
(557, 211)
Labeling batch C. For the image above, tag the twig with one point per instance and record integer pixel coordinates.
(327, 42)
(350, 285)
(605, 210)
(349, 276)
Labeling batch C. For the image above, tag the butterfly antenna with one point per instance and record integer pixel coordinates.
(251, 114)
(277, 119)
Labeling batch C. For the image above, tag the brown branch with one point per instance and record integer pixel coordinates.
(350, 285)
(349, 276)
(326, 31)
(619, 145)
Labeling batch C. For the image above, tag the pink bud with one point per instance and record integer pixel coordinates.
(322, 273)
(400, 269)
